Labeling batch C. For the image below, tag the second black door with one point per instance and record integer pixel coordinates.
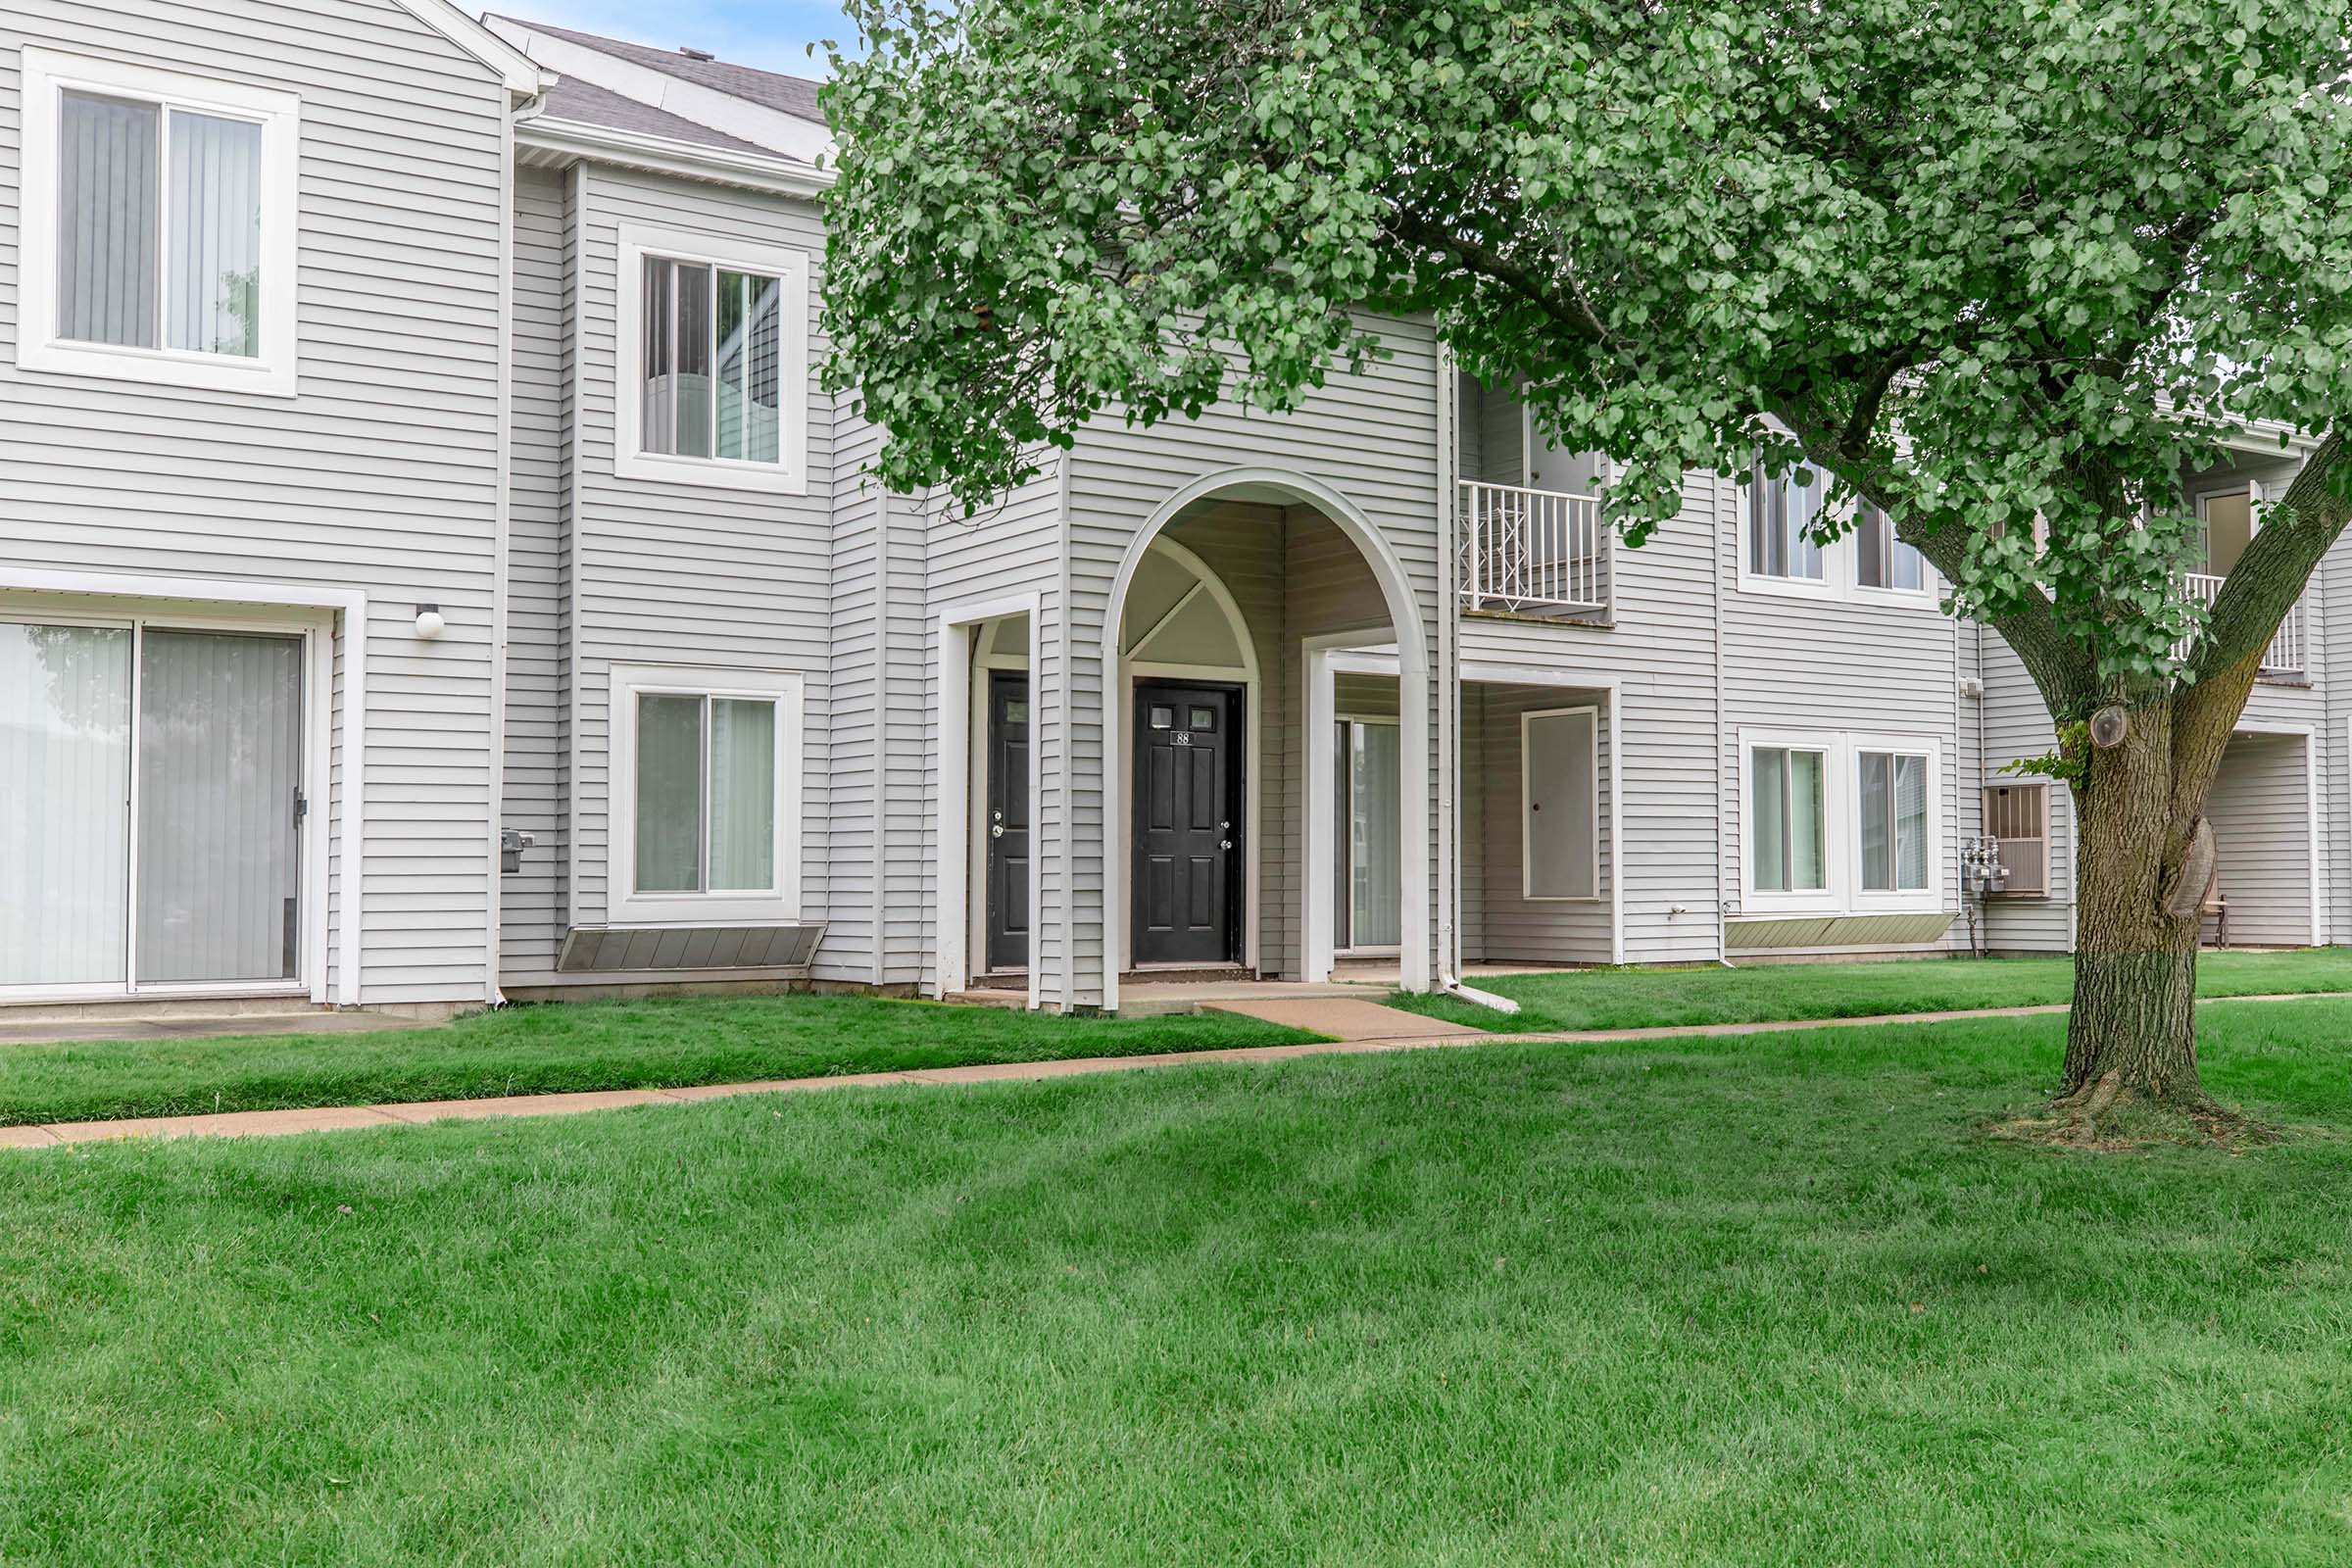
(1188, 823)
(1008, 820)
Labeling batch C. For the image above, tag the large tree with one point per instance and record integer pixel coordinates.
(1982, 261)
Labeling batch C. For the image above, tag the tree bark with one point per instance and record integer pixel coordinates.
(2141, 802)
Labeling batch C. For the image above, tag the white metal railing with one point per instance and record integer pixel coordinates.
(1532, 550)
(2284, 655)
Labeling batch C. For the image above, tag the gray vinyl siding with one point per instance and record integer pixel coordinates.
(532, 914)
(1661, 648)
(682, 573)
(1843, 665)
(1510, 927)
(1372, 439)
(2261, 828)
(2018, 726)
(381, 475)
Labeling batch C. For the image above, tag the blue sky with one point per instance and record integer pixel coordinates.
(768, 33)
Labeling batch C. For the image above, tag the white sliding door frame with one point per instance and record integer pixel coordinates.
(316, 634)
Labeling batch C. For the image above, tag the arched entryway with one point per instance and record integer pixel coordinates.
(1227, 610)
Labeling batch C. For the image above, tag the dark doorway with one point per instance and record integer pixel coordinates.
(1188, 823)
(1008, 914)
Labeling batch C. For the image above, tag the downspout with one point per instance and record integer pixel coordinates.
(879, 970)
(1450, 705)
(1715, 594)
(501, 523)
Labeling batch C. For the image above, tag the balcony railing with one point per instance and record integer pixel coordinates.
(2284, 655)
(1540, 552)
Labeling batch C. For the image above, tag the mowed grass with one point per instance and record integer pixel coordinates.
(1735, 1301)
(1640, 998)
(575, 1046)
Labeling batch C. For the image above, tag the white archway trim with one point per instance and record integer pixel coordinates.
(952, 660)
(1119, 750)
(1412, 694)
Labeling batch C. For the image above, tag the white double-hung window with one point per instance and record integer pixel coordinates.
(1780, 516)
(158, 226)
(1838, 822)
(714, 376)
(706, 795)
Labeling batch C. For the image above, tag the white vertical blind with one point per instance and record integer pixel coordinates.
(220, 761)
(1376, 905)
(64, 778)
(213, 270)
(669, 794)
(743, 795)
(750, 327)
(107, 242)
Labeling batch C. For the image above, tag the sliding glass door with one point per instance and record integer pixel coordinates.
(153, 832)
(1370, 892)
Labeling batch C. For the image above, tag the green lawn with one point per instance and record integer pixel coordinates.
(1637, 999)
(1739, 1301)
(547, 1049)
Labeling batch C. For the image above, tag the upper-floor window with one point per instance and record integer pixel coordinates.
(714, 382)
(158, 226)
(1881, 559)
(1778, 554)
(1781, 514)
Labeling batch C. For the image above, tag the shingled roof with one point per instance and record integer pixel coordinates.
(770, 89)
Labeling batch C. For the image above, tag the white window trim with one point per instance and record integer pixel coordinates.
(778, 904)
(789, 473)
(1840, 579)
(1829, 898)
(1902, 900)
(47, 75)
(1841, 829)
(317, 744)
(1527, 816)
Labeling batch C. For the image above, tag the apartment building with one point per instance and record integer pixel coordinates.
(430, 570)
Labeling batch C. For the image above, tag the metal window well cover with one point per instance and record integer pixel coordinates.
(617, 950)
(1838, 930)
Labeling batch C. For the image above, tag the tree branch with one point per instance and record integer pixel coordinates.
(1474, 256)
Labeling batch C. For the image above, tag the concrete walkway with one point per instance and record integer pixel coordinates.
(270, 1123)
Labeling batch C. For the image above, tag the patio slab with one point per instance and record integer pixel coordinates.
(1342, 1018)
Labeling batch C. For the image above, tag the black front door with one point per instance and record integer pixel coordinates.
(1188, 823)
(1007, 820)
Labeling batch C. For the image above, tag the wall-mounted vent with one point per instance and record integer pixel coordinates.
(659, 949)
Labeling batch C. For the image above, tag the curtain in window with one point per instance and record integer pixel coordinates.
(1911, 821)
(1768, 821)
(1779, 513)
(1788, 808)
(750, 338)
(108, 248)
(658, 422)
(1894, 821)
(1808, 857)
(1886, 561)
(219, 760)
(669, 794)
(693, 378)
(216, 236)
(1377, 904)
(65, 776)
(743, 795)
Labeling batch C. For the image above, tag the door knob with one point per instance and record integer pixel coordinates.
(1224, 844)
(996, 830)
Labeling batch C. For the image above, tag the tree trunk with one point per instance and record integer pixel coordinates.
(2135, 961)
